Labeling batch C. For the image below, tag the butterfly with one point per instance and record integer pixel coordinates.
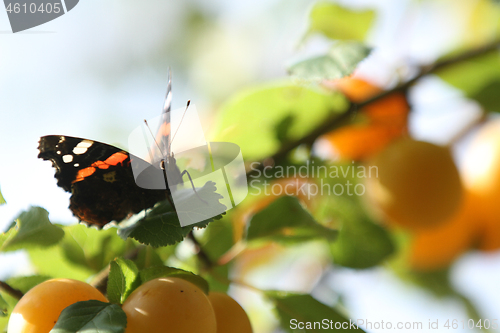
(100, 177)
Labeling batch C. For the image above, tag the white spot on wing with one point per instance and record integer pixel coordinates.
(67, 158)
(79, 151)
(76, 165)
(85, 144)
(82, 147)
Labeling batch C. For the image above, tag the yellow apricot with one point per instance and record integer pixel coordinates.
(167, 305)
(481, 175)
(437, 248)
(37, 311)
(418, 185)
(230, 316)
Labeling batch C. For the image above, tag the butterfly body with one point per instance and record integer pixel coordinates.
(100, 179)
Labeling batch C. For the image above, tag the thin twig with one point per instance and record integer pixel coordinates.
(202, 255)
(17, 294)
(100, 280)
(232, 253)
(466, 129)
(339, 120)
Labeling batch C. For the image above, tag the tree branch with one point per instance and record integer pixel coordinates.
(202, 255)
(339, 120)
(17, 294)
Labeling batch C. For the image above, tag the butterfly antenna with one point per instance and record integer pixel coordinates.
(177, 130)
(154, 139)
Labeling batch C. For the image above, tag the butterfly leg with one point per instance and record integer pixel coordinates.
(168, 192)
(185, 172)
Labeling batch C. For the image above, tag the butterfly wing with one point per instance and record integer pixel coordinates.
(73, 157)
(163, 135)
(99, 177)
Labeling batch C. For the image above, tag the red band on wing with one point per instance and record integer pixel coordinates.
(114, 159)
(83, 173)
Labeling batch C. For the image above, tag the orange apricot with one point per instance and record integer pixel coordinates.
(38, 310)
(230, 316)
(166, 305)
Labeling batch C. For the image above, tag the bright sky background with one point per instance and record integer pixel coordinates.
(99, 70)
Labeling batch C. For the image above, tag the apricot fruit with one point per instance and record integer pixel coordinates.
(417, 184)
(38, 310)
(230, 316)
(166, 305)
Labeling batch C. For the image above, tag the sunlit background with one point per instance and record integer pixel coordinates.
(101, 69)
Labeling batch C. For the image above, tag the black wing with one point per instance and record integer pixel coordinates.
(69, 155)
(100, 178)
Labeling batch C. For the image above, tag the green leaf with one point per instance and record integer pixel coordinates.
(123, 279)
(340, 61)
(282, 129)
(91, 317)
(11, 303)
(488, 97)
(295, 308)
(149, 256)
(218, 238)
(6, 236)
(33, 230)
(336, 22)
(217, 278)
(264, 108)
(161, 226)
(4, 307)
(473, 75)
(164, 271)
(91, 248)
(361, 244)
(25, 283)
(52, 261)
(482, 24)
(2, 200)
(285, 219)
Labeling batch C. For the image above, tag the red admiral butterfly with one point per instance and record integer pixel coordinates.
(100, 177)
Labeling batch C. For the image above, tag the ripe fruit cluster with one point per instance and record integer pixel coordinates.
(160, 305)
(419, 188)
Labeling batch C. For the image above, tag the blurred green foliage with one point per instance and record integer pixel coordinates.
(261, 120)
(337, 22)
